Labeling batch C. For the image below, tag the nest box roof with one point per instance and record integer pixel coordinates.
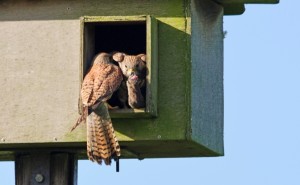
(236, 7)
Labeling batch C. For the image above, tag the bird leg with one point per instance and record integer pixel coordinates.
(112, 107)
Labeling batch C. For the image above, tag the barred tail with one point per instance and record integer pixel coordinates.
(81, 118)
(102, 143)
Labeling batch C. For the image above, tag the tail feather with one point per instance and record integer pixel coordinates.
(81, 118)
(102, 144)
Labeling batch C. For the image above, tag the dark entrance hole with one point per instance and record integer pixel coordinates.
(123, 36)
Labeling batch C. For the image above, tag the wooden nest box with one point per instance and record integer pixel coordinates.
(47, 46)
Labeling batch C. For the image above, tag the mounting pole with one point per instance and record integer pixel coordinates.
(46, 168)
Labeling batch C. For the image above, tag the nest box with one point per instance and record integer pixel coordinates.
(47, 47)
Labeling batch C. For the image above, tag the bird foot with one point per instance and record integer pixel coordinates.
(112, 107)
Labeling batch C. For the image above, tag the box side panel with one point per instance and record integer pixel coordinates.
(207, 75)
(39, 79)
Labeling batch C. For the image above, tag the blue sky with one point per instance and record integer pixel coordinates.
(262, 105)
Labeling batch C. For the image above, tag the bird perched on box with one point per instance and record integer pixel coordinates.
(134, 72)
(98, 85)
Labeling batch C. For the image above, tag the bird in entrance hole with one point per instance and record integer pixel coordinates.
(132, 89)
(102, 79)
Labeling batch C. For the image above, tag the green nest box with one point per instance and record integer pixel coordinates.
(47, 47)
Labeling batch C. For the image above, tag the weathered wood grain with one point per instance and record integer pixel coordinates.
(45, 168)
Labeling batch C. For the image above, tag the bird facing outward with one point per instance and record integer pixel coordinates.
(98, 85)
(134, 76)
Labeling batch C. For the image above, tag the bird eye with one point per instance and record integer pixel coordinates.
(126, 66)
(136, 65)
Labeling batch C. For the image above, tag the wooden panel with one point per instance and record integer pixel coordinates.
(60, 9)
(33, 169)
(41, 69)
(23, 170)
(51, 49)
(152, 63)
(39, 79)
(45, 168)
(207, 96)
(237, 7)
(63, 169)
(51, 42)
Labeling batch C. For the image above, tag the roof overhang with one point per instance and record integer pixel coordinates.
(237, 7)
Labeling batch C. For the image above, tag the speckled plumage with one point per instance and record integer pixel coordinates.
(101, 81)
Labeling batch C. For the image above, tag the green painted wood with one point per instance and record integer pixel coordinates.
(129, 113)
(233, 9)
(152, 63)
(237, 7)
(94, 19)
(65, 10)
(48, 124)
(42, 80)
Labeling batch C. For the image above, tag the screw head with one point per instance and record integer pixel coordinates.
(39, 178)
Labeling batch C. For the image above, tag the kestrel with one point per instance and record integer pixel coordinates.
(101, 81)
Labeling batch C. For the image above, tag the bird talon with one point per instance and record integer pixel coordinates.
(112, 107)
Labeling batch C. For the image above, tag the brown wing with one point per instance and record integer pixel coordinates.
(100, 83)
(87, 88)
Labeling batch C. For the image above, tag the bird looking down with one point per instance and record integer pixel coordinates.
(100, 82)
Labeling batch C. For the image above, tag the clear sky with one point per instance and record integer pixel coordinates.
(262, 112)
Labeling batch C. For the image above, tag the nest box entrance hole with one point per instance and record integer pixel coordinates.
(128, 36)
(124, 36)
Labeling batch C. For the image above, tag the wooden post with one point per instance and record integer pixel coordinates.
(46, 169)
